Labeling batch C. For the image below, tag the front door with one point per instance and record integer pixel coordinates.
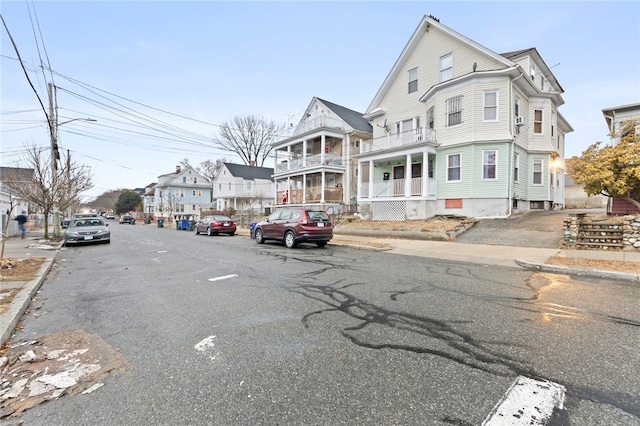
(398, 180)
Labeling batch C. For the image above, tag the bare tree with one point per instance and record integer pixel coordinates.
(49, 187)
(5, 226)
(250, 137)
(210, 170)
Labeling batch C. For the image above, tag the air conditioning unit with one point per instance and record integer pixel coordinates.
(519, 121)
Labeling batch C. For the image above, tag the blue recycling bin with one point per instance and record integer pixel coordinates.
(253, 230)
(184, 224)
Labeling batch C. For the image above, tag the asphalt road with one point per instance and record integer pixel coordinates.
(540, 229)
(219, 330)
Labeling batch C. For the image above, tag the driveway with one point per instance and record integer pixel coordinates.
(540, 229)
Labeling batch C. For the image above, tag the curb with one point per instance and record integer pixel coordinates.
(398, 234)
(577, 271)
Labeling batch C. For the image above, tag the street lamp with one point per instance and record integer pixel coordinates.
(55, 154)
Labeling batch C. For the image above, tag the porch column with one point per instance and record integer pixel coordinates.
(289, 157)
(304, 153)
(304, 187)
(322, 182)
(323, 144)
(371, 174)
(407, 177)
(358, 191)
(425, 173)
(346, 163)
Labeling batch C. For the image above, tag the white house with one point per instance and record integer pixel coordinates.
(8, 198)
(616, 116)
(461, 130)
(314, 167)
(243, 188)
(177, 195)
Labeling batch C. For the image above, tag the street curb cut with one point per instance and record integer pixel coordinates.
(577, 271)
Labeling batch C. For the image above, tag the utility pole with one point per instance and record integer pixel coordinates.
(55, 155)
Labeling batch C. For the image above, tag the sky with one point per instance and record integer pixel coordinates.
(160, 77)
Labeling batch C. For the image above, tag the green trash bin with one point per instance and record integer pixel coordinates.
(190, 225)
(178, 225)
(160, 223)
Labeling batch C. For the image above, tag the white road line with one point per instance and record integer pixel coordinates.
(224, 277)
(527, 402)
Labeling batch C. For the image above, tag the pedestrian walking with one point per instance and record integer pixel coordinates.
(22, 221)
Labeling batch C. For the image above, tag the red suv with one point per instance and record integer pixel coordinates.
(295, 226)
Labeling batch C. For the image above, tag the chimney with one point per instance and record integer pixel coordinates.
(177, 169)
(252, 163)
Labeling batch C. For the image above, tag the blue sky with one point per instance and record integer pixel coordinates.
(160, 76)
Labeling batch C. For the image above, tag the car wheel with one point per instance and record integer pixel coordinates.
(258, 235)
(321, 243)
(209, 233)
(231, 234)
(290, 239)
(133, 222)
(197, 232)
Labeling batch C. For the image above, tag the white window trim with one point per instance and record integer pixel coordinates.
(541, 122)
(485, 106)
(447, 168)
(409, 91)
(448, 70)
(516, 166)
(533, 172)
(495, 165)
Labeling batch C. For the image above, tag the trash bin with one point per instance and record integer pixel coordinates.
(190, 225)
(184, 224)
(147, 221)
(160, 223)
(178, 225)
(253, 230)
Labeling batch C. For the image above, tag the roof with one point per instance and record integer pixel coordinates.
(16, 173)
(249, 172)
(353, 118)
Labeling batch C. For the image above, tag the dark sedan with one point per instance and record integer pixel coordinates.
(214, 225)
(87, 230)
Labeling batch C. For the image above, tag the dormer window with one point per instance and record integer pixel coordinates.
(184, 179)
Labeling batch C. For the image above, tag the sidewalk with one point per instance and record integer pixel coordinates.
(525, 257)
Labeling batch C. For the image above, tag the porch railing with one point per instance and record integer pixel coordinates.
(311, 161)
(313, 195)
(396, 188)
(393, 140)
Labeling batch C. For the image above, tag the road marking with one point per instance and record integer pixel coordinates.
(527, 402)
(224, 277)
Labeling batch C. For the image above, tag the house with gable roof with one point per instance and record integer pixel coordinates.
(314, 167)
(461, 130)
(243, 188)
(177, 195)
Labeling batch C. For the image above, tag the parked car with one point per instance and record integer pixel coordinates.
(109, 216)
(295, 226)
(83, 215)
(214, 225)
(127, 218)
(87, 230)
(65, 222)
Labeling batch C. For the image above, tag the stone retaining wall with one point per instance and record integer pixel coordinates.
(610, 233)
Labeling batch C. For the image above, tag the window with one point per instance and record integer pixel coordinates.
(416, 170)
(453, 168)
(489, 161)
(181, 193)
(454, 111)
(413, 80)
(516, 168)
(431, 118)
(516, 108)
(229, 186)
(490, 106)
(249, 186)
(184, 179)
(200, 193)
(193, 193)
(537, 172)
(537, 121)
(193, 207)
(219, 187)
(446, 67)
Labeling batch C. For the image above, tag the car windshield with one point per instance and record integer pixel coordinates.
(318, 216)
